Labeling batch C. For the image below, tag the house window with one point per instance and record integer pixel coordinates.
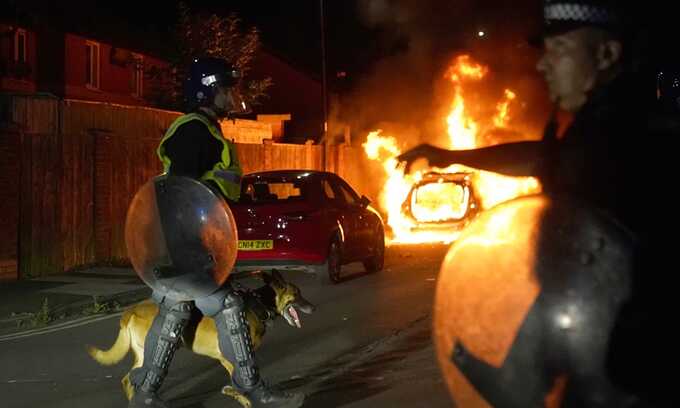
(137, 75)
(92, 64)
(20, 45)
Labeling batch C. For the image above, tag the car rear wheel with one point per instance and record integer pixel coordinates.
(377, 261)
(329, 272)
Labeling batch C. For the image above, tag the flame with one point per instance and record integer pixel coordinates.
(501, 118)
(464, 68)
(462, 129)
(434, 202)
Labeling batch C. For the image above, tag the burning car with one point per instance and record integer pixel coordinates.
(432, 205)
(441, 201)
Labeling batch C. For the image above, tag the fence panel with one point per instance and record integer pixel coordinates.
(77, 199)
(70, 184)
(10, 174)
(103, 195)
(40, 230)
(251, 157)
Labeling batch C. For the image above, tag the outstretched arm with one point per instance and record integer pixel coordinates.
(512, 159)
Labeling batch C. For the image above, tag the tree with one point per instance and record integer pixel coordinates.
(201, 34)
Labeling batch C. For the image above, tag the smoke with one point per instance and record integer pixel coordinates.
(416, 41)
(404, 92)
(375, 12)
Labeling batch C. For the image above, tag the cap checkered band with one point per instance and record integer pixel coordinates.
(578, 13)
(209, 80)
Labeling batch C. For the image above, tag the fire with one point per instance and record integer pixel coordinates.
(501, 118)
(462, 129)
(430, 206)
(464, 68)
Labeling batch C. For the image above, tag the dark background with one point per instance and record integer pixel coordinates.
(385, 58)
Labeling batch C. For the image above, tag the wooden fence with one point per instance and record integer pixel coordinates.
(70, 169)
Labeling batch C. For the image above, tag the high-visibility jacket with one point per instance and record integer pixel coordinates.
(226, 173)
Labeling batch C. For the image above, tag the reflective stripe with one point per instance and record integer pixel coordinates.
(230, 186)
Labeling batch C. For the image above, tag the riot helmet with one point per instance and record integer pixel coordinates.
(214, 83)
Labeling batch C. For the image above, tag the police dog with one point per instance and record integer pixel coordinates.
(276, 298)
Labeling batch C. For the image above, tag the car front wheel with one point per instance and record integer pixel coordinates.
(329, 272)
(377, 261)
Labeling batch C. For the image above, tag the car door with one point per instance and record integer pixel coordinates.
(366, 223)
(334, 210)
(354, 218)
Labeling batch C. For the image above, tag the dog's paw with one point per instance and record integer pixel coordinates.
(230, 391)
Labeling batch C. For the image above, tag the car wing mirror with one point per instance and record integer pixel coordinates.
(364, 201)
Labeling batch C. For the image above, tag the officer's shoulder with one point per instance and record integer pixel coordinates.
(193, 125)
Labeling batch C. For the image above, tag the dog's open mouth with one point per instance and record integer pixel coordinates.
(292, 316)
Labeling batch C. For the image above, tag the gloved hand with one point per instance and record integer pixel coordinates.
(436, 156)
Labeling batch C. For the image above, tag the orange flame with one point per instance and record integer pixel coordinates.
(432, 205)
(462, 129)
(501, 119)
(465, 69)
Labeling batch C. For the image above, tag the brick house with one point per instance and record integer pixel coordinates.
(72, 66)
(293, 92)
(75, 66)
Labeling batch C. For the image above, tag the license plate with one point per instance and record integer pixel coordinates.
(255, 244)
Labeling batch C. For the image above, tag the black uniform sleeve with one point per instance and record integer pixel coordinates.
(192, 150)
(520, 159)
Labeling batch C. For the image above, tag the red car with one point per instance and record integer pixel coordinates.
(310, 220)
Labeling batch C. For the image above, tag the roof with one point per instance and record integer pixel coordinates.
(288, 173)
(89, 20)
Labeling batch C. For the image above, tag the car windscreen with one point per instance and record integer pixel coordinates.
(271, 191)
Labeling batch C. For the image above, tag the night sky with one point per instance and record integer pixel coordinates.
(359, 33)
(391, 52)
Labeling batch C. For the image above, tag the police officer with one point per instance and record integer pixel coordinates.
(194, 147)
(610, 159)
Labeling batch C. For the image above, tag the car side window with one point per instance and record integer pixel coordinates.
(344, 193)
(350, 198)
(328, 191)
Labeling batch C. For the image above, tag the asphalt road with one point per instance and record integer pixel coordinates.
(367, 345)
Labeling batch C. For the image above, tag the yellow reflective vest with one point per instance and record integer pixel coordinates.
(229, 164)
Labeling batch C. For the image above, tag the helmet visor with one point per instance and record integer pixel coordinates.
(237, 103)
(229, 82)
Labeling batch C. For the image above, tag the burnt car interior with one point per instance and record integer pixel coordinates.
(441, 198)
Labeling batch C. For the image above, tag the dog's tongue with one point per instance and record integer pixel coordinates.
(294, 315)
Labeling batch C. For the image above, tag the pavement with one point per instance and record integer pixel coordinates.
(38, 304)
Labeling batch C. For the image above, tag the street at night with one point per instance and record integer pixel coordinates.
(338, 203)
(368, 344)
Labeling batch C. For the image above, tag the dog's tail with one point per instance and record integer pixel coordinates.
(119, 349)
